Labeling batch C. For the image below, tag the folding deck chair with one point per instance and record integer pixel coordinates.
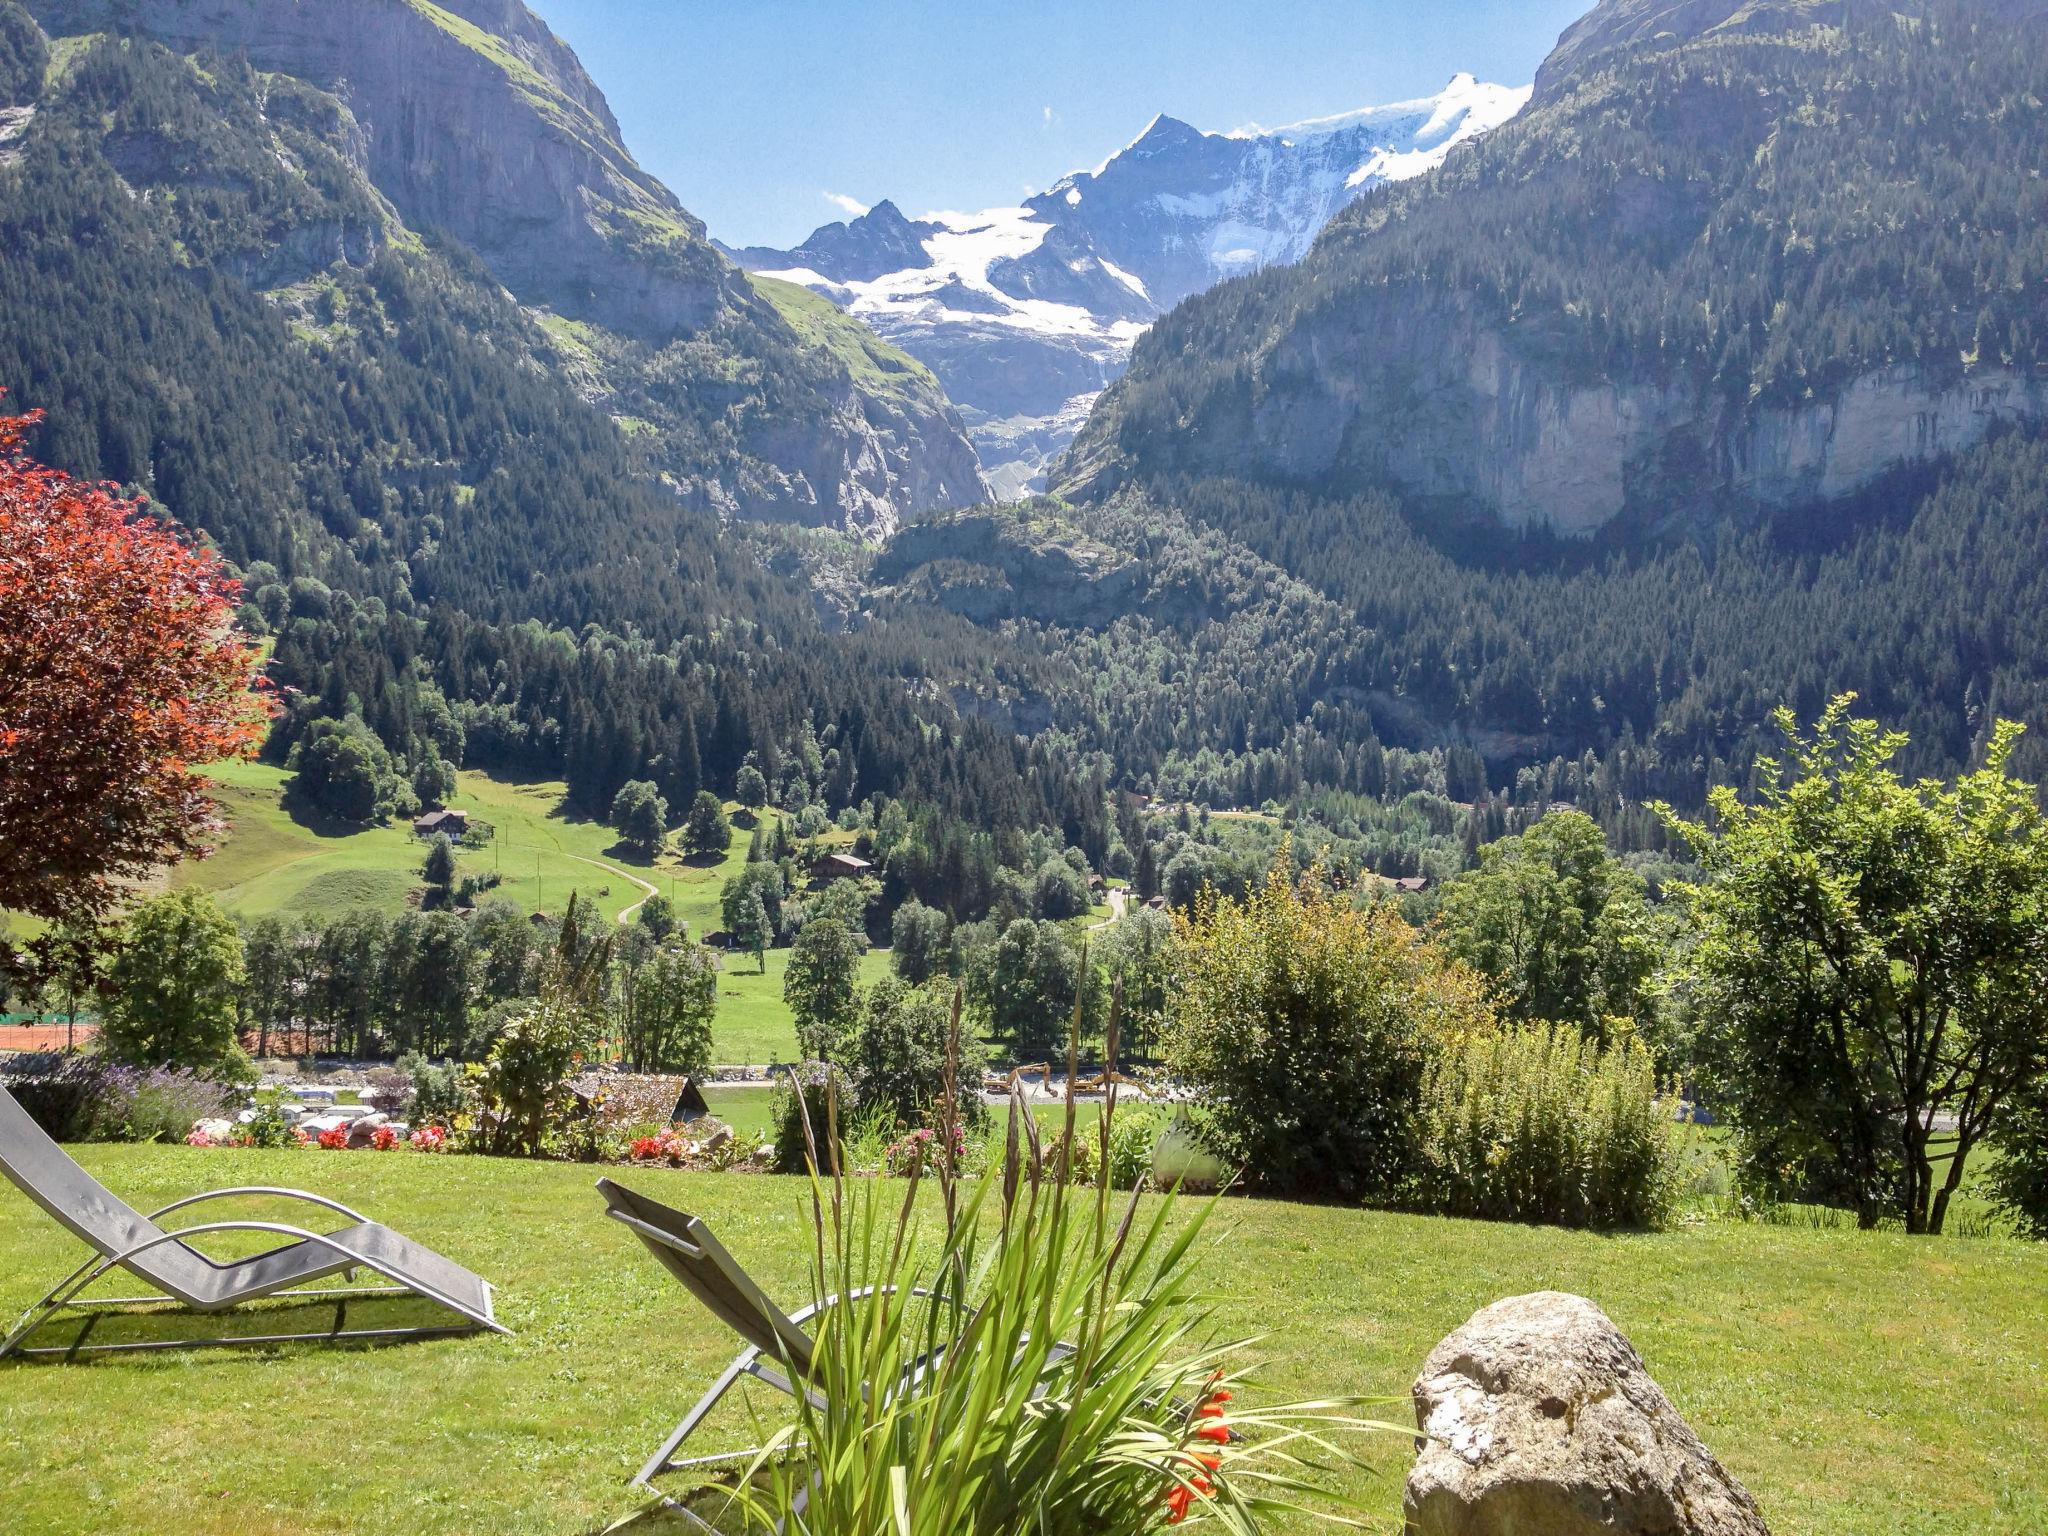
(123, 1238)
(684, 1247)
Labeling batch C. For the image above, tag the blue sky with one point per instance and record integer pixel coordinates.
(758, 112)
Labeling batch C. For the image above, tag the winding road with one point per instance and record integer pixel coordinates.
(647, 888)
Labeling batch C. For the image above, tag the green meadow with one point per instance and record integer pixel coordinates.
(1860, 1383)
(271, 861)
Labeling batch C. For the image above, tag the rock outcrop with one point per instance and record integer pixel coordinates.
(1615, 307)
(1453, 408)
(1538, 1418)
(991, 566)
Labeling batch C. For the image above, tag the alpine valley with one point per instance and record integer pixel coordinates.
(1489, 451)
(1026, 313)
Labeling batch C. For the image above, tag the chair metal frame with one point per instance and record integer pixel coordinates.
(64, 1301)
(749, 1362)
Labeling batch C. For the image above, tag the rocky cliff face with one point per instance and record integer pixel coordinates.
(1628, 301)
(1026, 314)
(992, 566)
(1452, 408)
(478, 123)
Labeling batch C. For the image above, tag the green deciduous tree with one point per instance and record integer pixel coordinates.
(1871, 966)
(669, 1008)
(657, 915)
(175, 986)
(1024, 985)
(751, 928)
(342, 769)
(918, 937)
(439, 868)
(1306, 1025)
(1058, 891)
(895, 1052)
(706, 830)
(750, 788)
(640, 816)
(1559, 923)
(433, 778)
(762, 884)
(821, 987)
(1137, 952)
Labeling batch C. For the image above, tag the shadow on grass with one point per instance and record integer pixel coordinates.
(695, 1510)
(164, 1330)
(320, 821)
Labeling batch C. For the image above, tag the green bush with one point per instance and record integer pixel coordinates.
(825, 1094)
(437, 1092)
(522, 1090)
(1133, 1135)
(1538, 1123)
(1305, 1026)
(2018, 1181)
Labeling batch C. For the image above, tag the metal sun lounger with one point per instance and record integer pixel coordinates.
(124, 1238)
(684, 1247)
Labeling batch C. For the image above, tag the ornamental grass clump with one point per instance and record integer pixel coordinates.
(1032, 1356)
(1539, 1123)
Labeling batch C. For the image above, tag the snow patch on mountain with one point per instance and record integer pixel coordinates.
(1026, 313)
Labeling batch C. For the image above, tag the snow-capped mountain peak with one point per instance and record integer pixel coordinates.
(1024, 312)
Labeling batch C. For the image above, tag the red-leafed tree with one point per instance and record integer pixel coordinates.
(120, 671)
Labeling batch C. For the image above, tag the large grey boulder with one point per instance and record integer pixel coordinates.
(1538, 1418)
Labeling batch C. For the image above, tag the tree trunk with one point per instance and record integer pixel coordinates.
(1952, 1183)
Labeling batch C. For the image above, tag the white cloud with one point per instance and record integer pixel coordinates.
(1050, 115)
(852, 207)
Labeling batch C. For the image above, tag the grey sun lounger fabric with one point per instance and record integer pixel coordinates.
(125, 1238)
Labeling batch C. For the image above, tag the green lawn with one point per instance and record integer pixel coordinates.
(271, 862)
(1861, 1384)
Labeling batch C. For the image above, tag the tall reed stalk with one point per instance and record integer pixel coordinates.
(1032, 1360)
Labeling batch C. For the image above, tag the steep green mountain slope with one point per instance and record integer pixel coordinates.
(1714, 381)
(218, 305)
(477, 126)
(1745, 273)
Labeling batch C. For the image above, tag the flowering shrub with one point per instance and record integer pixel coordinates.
(1194, 1472)
(429, 1138)
(917, 1152)
(335, 1138)
(383, 1138)
(88, 1098)
(669, 1146)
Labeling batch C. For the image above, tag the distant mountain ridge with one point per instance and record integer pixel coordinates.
(1719, 267)
(473, 121)
(1026, 313)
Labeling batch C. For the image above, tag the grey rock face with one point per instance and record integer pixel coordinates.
(987, 568)
(857, 251)
(1538, 1418)
(488, 129)
(1453, 409)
